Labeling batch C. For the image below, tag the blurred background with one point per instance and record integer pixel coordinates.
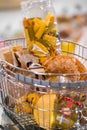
(71, 18)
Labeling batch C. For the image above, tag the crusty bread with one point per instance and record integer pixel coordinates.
(63, 64)
(8, 56)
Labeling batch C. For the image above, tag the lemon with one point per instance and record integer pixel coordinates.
(48, 113)
(44, 110)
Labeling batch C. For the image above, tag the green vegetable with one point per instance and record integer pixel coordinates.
(31, 32)
(50, 27)
(46, 44)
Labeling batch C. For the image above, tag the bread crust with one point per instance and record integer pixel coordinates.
(63, 64)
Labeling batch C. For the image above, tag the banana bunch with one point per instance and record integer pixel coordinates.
(40, 35)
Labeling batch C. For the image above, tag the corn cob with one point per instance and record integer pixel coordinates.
(39, 53)
(50, 39)
(49, 19)
(37, 24)
(49, 28)
(31, 32)
(41, 30)
(41, 33)
(26, 35)
(36, 27)
(46, 44)
(30, 46)
(42, 47)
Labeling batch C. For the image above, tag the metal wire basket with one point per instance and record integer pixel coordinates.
(68, 114)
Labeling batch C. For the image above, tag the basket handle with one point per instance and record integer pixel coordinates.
(1, 72)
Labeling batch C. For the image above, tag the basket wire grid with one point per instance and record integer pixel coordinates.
(21, 82)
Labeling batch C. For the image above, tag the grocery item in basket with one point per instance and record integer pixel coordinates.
(32, 98)
(67, 48)
(26, 103)
(24, 61)
(23, 107)
(22, 58)
(19, 60)
(18, 48)
(36, 67)
(29, 62)
(40, 35)
(44, 110)
(17, 51)
(53, 111)
(78, 96)
(8, 56)
(63, 64)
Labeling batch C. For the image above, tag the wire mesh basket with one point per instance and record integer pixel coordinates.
(34, 103)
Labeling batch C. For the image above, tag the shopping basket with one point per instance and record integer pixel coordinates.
(19, 83)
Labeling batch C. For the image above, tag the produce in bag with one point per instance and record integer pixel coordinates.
(41, 35)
